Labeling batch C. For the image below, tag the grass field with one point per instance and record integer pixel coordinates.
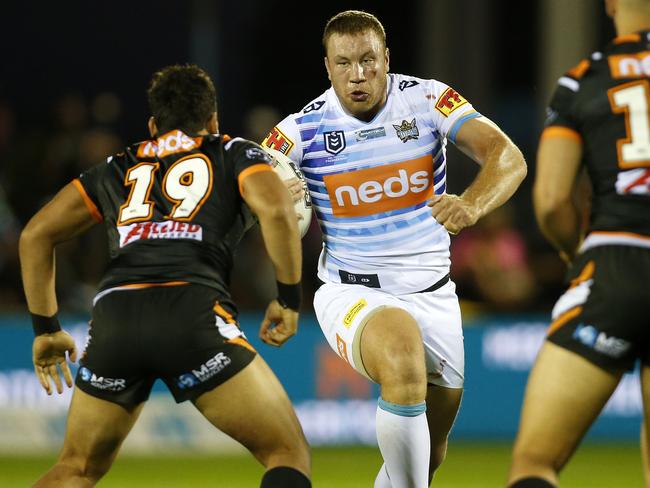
(468, 465)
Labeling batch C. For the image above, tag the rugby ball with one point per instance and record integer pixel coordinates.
(287, 169)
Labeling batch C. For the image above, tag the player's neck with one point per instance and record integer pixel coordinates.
(631, 22)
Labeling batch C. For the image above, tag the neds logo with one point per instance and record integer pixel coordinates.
(169, 143)
(381, 189)
(635, 65)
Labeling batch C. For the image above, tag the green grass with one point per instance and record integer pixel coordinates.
(468, 465)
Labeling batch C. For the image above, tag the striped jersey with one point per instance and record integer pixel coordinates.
(604, 105)
(370, 182)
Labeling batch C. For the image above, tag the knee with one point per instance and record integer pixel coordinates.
(438, 454)
(403, 366)
(89, 465)
(77, 467)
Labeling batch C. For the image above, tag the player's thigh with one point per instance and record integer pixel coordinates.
(253, 408)
(438, 316)
(96, 428)
(369, 329)
(564, 395)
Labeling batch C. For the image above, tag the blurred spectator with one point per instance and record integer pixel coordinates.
(39, 163)
(10, 293)
(490, 265)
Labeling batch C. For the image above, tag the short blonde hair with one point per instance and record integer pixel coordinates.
(353, 22)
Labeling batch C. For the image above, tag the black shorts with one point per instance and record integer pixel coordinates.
(603, 316)
(179, 334)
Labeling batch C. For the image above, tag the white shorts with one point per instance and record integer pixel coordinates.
(343, 311)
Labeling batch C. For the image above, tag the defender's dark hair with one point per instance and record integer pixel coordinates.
(353, 22)
(181, 97)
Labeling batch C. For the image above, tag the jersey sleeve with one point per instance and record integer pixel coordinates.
(89, 186)
(285, 137)
(246, 158)
(449, 109)
(561, 120)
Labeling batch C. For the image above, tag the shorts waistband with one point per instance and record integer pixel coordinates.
(438, 284)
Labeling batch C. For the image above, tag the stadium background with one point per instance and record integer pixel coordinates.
(72, 91)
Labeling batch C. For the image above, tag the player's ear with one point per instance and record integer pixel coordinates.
(212, 126)
(153, 128)
(387, 54)
(327, 67)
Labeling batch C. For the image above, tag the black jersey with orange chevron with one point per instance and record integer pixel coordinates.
(172, 208)
(604, 102)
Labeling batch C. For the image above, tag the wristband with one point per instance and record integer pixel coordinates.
(289, 296)
(45, 325)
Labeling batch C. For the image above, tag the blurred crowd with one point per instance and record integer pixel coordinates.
(499, 266)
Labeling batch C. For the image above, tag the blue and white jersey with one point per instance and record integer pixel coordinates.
(370, 182)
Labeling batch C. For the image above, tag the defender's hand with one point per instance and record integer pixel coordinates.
(296, 189)
(453, 212)
(48, 352)
(279, 324)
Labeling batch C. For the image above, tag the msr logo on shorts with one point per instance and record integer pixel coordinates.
(101, 382)
(207, 370)
(380, 189)
(599, 341)
(167, 229)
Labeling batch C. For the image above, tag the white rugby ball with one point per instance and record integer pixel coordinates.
(287, 169)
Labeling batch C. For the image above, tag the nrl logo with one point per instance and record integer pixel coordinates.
(334, 141)
(407, 130)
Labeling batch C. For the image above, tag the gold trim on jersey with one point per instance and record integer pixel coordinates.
(90, 205)
(563, 132)
(256, 168)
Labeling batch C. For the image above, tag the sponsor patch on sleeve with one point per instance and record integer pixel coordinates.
(278, 141)
(449, 101)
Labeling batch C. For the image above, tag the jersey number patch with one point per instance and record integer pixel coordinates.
(186, 184)
(632, 99)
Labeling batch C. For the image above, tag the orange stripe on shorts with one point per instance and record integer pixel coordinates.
(563, 319)
(240, 341)
(224, 314)
(151, 285)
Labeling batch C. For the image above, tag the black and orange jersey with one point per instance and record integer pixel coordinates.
(172, 208)
(603, 104)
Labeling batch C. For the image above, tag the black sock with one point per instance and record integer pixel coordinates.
(532, 482)
(284, 477)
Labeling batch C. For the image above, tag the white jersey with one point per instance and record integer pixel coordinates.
(370, 182)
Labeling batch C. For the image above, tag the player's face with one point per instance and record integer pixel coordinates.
(357, 66)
